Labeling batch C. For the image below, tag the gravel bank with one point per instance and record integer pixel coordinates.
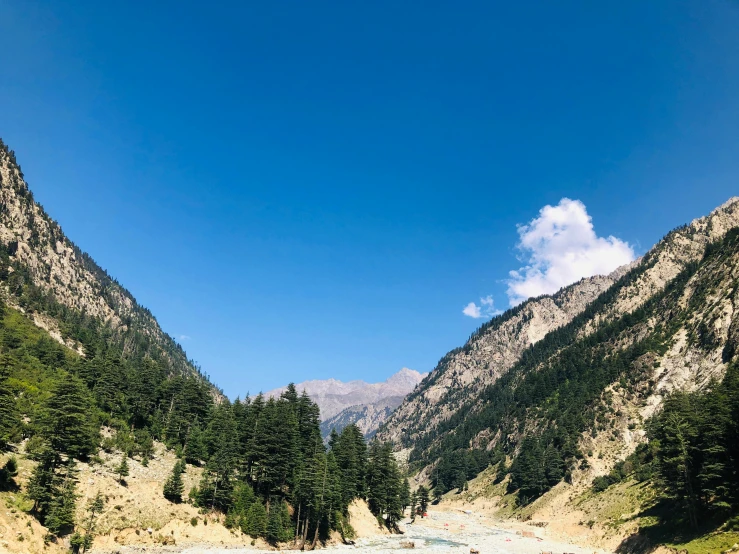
(451, 532)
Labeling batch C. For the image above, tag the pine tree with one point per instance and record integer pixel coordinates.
(350, 451)
(94, 508)
(144, 445)
(554, 467)
(275, 447)
(8, 473)
(142, 396)
(527, 471)
(108, 390)
(9, 420)
(405, 494)
(309, 430)
(256, 520)
(677, 436)
(41, 484)
(274, 524)
(195, 450)
(64, 421)
(384, 483)
(61, 510)
(216, 484)
(290, 395)
(122, 469)
(423, 501)
(242, 497)
(173, 486)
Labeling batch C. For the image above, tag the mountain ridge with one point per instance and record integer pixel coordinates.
(48, 276)
(463, 373)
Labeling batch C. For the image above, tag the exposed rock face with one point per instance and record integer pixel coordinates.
(366, 404)
(460, 378)
(68, 277)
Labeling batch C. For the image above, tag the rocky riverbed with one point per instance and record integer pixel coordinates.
(452, 532)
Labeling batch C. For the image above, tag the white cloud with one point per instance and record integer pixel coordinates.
(560, 247)
(472, 310)
(185, 337)
(485, 309)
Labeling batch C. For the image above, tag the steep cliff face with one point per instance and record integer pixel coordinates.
(46, 275)
(434, 418)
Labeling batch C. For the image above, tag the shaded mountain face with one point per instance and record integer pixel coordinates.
(63, 290)
(366, 404)
(586, 367)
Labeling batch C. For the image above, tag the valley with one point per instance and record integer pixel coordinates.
(603, 416)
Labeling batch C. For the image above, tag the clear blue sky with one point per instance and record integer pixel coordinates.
(317, 189)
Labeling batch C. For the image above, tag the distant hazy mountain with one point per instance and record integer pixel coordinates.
(366, 404)
(368, 417)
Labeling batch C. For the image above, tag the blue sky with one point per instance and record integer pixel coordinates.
(318, 189)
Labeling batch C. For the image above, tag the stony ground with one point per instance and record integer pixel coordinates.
(451, 531)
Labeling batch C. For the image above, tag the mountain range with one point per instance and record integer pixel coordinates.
(365, 404)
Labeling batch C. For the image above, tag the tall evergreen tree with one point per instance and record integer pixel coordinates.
(122, 468)
(9, 420)
(195, 449)
(256, 520)
(173, 486)
(64, 421)
(60, 517)
(423, 501)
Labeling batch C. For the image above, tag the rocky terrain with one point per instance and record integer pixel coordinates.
(669, 322)
(366, 404)
(368, 417)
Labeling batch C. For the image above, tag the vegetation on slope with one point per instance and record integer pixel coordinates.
(257, 456)
(537, 413)
(138, 334)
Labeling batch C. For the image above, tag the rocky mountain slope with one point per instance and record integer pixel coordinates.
(46, 275)
(366, 404)
(462, 374)
(583, 431)
(460, 381)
